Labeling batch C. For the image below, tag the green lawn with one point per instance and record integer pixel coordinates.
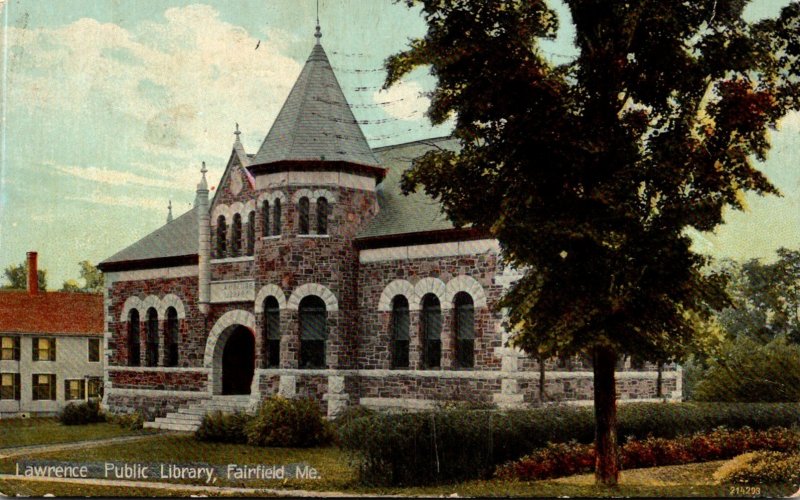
(337, 475)
(15, 487)
(16, 432)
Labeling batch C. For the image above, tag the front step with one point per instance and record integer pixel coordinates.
(189, 418)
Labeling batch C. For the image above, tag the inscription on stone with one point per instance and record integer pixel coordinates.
(233, 291)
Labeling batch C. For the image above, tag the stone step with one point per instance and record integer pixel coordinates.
(187, 417)
(171, 426)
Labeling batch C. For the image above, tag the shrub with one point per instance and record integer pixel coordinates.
(751, 372)
(81, 414)
(223, 427)
(561, 460)
(281, 422)
(459, 444)
(132, 421)
(763, 467)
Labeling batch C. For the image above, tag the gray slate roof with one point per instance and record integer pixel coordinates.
(316, 122)
(401, 214)
(176, 238)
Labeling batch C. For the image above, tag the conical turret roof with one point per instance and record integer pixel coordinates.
(316, 123)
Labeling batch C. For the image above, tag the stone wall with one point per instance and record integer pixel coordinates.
(159, 380)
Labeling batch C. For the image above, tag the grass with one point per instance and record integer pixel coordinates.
(16, 432)
(337, 475)
(14, 487)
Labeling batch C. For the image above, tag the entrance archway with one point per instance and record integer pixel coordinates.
(238, 361)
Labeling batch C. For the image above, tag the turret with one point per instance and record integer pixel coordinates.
(204, 243)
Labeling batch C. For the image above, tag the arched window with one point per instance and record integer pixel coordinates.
(465, 330)
(222, 237)
(251, 233)
(172, 337)
(272, 332)
(302, 208)
(133, 338)
(313, 332)
(151, 357)
(431, 331)
(276, 219)
(236, 236)
(400, 332)
(322, 216)
(265, 215)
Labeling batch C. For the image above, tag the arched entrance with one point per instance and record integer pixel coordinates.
(238, 361)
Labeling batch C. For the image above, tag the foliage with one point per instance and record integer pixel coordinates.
(17, 277)
(762, 467)
(560, 459)
(748, 371)
(84, 413)
(223, 427)
(92, 277)
(132, 421)
(460, 444)
(281, 422)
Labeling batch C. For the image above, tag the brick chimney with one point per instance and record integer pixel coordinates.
(33, 274)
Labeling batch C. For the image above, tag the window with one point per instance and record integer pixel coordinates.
(302, 207)
(465, 330)
(133, 338)
(322, 216)
(265, 216)
(44, 386)
(313, 332)
(44, 349)
(151, 357)
(272, 332)
(9, 386)
(251, 233)
(276, 219)
(10, 348)
(222, 237)
(74, 389)
(431, 331)
(94, 350)
(236, 236)
(94, 387)
(400, 332)
(171, 337)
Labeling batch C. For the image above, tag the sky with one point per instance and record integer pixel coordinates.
(110, 106)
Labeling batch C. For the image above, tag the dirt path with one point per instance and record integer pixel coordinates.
(47, 448)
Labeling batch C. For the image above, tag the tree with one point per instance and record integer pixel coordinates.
(589, 173)
(17, 277)
(91, 276)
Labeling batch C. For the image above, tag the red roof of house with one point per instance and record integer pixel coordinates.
(51, 312)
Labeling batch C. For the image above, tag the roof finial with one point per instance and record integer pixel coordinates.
(237, 133)
(169, 212)
(318, 33)
(203, 186)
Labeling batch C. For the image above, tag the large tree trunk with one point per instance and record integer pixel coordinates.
(660, 380)
(542, 394)
(606, 469)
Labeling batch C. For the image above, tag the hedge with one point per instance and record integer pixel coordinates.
(455, 444)
(82, 413)
(761, 468)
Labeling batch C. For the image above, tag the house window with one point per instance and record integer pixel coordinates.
(236, 236)
(272, 332)
(265, 215)
(44, 386)
(302, 207)
(171, 337)
(465, 330)
(133, 338)
(94, 387)
(44, 349)
(9, 386)
(151, 357)
(322, 216)
(276, 219)
(10, 348)
(313, 332)
(431, 331)
(400, 332)
(251, 233)
(222, 237)
(74, 389)
(94, 350)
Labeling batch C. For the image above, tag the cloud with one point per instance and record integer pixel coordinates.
(790, 122)
(112, 177)
(99, 198)
(404, 100)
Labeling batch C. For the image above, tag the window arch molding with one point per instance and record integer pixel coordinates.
(331, 304)
(271, 196)
(130, 303)
(398, 287)
(267, 291)
(467, 284)
(434, 286)
(171, 300)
